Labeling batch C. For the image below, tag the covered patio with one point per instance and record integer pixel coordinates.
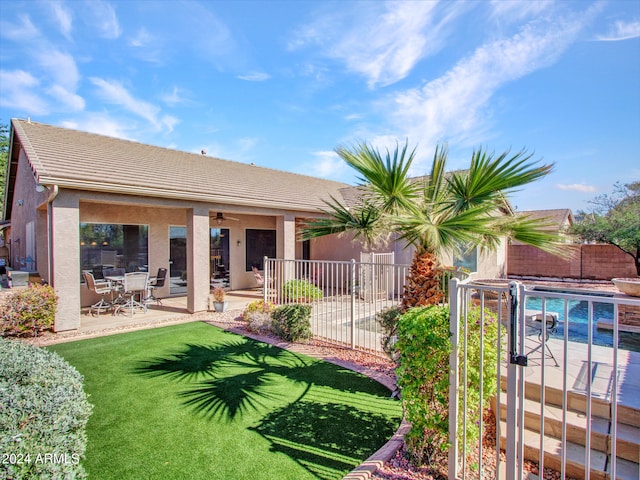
(80, 202)
(173, 310)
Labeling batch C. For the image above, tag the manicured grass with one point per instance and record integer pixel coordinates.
(193, 401)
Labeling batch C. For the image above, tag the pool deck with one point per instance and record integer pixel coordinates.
(578, 369)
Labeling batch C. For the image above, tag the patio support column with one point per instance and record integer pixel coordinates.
(197, 259)
(65, 256)
(286, 243)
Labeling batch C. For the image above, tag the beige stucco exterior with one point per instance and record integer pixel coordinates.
(59, 179)
(58, 213)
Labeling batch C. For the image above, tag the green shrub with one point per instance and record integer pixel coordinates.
(300, 291)
(43, 414)
(259, 306)
(29, 311)
(388, 321)
(292, 322)
(257, 316)
(424, 347)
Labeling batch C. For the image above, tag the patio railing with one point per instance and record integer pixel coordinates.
(352, 293)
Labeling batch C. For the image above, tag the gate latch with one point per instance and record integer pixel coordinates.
(520, 360)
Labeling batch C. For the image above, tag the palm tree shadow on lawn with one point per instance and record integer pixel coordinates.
(328, 429)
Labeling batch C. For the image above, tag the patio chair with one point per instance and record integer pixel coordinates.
(116, 286)
(102, 288)
(158, 282)
(98, 272)
(258, 276)
(134, 285)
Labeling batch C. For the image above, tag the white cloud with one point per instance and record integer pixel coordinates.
(173, 98)
(61, 95)
(515, 10)
(101, 124)
(622, 31)
(381, 41)
(61, 66)
(142, 38)
(114, 92)
(255, 77)
(19, 93)
(576, 187)
(327, 164)
(63, 17)
(456, 106)
(102, 16)
(22, 31)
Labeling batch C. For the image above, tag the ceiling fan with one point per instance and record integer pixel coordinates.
(219, 218)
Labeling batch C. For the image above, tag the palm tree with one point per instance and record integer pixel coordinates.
(452, 212)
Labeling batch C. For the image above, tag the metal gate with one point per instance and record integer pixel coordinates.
(567, 379)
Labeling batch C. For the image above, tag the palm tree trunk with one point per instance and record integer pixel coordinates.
(423, 285)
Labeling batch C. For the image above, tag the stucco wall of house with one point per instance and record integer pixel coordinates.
(66, 259)
(589, 262)
(336, 247)
(23, 210)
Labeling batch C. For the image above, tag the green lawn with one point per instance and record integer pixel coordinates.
(193, 401)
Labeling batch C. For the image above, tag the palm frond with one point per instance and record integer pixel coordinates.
(489, 178)
(537, 232)
(433, 188)
(362, 221)
(446, 230)
(388, 178)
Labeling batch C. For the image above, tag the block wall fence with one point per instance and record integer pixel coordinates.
(585, 262)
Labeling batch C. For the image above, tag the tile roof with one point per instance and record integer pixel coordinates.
(559, 217)
(87, 161)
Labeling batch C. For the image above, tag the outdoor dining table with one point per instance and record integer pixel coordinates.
(118, 281)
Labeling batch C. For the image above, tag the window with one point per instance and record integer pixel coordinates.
(468, 260)
(260, 243)
(114, 245)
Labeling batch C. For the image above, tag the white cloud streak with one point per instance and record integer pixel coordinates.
(327, 164)
(115, 93)
(102, 16)
(456, 106)
(517, 10)
(576, 187)
(255, 77)
(63, 17)
(380, 41)
(622, 31)
(56, 71)
(19, 93)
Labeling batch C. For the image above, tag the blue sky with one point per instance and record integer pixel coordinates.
(282, 83)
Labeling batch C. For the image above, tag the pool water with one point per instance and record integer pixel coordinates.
(578, 322)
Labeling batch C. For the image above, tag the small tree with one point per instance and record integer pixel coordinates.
(615, 220)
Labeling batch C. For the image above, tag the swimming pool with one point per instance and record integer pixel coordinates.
(578, 322)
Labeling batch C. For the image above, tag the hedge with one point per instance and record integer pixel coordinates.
(43, 414)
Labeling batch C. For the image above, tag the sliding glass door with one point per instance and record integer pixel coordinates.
(218, 258)
(178, 260)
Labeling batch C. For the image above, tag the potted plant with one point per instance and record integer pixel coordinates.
(630, 286)
(219, 305)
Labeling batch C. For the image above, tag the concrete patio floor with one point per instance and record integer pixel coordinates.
(172, 309)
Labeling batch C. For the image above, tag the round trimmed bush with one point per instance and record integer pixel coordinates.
(43, 414)
(292, 322)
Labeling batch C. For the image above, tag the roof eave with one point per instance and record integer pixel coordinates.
(151, 192)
